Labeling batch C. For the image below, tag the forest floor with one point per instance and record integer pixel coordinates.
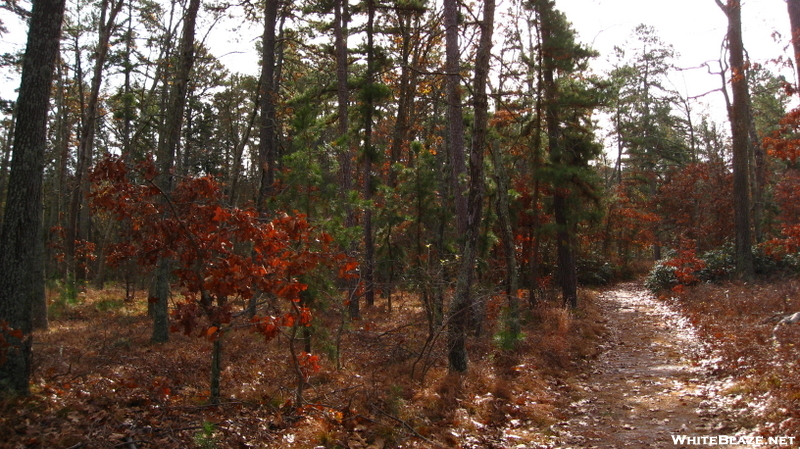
(626, 369)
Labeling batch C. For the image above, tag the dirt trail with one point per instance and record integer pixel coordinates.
(649, 384)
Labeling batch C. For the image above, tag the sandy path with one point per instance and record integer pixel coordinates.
(647, 385)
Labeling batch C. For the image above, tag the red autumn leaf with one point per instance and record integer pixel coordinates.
(305, 316)
(220, 214)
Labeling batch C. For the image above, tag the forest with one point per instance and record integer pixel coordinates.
(417, 226)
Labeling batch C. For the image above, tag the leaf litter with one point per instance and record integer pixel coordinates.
(625, 370)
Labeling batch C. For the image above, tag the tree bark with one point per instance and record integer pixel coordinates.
(167, 147)
(793, 7)
(758, 176)
(20, 261)
(368, 270)
(455, 125)
(405, 100)
(567, 273)
(509, 245)
(740, 124)
(268, 144)
(341, 19)
(5, 165)
(463, 300)
(567, 276)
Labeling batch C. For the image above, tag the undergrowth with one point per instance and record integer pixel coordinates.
(684, 267)
(99, 383)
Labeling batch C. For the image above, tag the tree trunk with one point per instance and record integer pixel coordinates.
(39, 297)
(368, 269)
(534, 271)
(20, 271)
(404, 101)
(758, 178)
(463, 301)
(341, 18)
(127, 94)
(567, 277)
(167, 147)
(238, 151)
(268, 137)
(536, 163)
(78, 223)
(268, 144)
(509, 244)
(793, 7)
(455, 125)
(740, 124)
(8, 145)
(216, 368)
(567, 273)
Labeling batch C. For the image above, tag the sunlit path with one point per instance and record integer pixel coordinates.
(651, 387)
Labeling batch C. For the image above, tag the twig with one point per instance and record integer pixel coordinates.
(130, 442)
(340, 390)
(407, 426)
(383, 334)
(205, 406)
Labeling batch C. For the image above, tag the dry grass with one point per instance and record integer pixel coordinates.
(761, 360)
(99, 383)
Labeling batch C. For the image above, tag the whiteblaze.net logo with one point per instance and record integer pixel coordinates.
(726, 439)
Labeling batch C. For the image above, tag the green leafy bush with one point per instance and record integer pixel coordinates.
(593, 269)
(720, 263)
(661, 277)
(716, 265)
(769, 262)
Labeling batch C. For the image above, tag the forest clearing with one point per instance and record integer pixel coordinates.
(624, 370)
(418, 224)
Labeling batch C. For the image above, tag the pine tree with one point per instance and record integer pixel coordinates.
(740, 131)
(568, 105)
(20, 239)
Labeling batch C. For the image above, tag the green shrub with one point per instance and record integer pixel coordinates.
(772, 264)
(720, 263)
(205, 439)
(107, 305)
(661, 277)
(595, 270)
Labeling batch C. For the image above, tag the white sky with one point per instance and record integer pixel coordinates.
(695, 28)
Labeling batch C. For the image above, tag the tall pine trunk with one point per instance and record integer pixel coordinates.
(268, 142)
(368, 269)
(509, 244)
(20, 259)
(463, 300)
(341, 19)
(455, 125)
(167, 147)
(740, 128)
(567, 276)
